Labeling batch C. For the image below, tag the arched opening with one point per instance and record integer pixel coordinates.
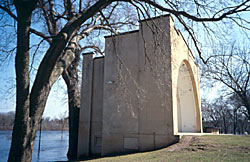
(187, 102)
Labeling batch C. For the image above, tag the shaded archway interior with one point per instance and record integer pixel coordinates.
(187, 100)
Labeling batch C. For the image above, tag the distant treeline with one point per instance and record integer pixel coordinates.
(7, 122)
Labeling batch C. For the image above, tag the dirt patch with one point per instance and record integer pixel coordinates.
(184, 143)
(244, 149)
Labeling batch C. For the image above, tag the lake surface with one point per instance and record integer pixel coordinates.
(53, 147)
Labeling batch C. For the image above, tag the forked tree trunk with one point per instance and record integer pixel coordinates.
(30, 104)
(70, 77)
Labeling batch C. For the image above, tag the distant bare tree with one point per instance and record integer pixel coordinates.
(7, 120)
(230, 66)
(218, 113)
(63, 121)
(209, 114)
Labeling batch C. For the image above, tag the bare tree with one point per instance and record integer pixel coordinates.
(239, 116)
(62, 47)
(63, 120)
(96, 26)
(30, 104)
(230, 66)
(209, 114)
(218, 113)
(6, 120)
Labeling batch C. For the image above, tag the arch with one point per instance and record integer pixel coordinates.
(188, 109)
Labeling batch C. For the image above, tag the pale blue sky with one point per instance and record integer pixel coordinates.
(57, 101)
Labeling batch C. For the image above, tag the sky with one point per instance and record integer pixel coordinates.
(57, 101)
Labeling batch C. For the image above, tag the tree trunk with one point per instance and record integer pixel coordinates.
(225, 125)
(234, 121)
(70, 77)
(22, 142)
(245, 102)
(247, 105)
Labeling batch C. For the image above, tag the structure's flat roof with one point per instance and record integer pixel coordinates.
(98, 57)
(123, 33)
(133, 31)
(153, 18)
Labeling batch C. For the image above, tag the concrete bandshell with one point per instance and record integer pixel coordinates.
(129, 98)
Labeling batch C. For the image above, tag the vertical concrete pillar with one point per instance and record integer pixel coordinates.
(86, 105)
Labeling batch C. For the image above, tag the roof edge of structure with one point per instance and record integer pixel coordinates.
(123, 33)
(157, 17)
(134, 31)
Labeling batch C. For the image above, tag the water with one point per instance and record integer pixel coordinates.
(53, 147)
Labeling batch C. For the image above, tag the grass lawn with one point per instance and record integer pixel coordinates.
(210, 148)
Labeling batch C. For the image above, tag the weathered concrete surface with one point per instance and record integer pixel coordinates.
(90, 126)
(97, 100)
(85, 109)
(150, 90)
(185, 86)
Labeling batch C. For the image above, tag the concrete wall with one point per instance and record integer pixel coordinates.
(97, 106)
(90, 126)
(143, 94)
(120, 107)
(85, 109)
(185, 86)
(137, 111)
(156, 122)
